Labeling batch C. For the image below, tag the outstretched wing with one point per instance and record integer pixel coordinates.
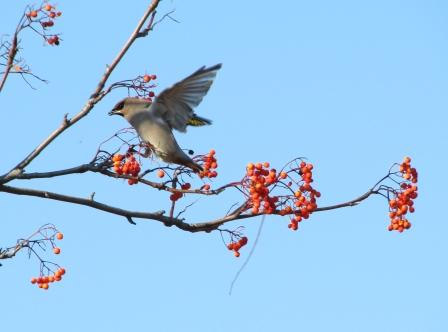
(176, 103)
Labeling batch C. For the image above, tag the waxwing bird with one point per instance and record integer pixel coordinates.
(171, 109)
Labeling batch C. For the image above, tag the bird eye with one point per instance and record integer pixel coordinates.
(119, 106)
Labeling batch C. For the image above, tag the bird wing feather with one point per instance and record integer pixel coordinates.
(176, 104)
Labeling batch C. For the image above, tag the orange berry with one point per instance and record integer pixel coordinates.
(45, 286)
(59, 236)
(160, 173)
(117, 157)
(186, 186)
(283, 175)
(33, 13)
(206, 187)
(48, 7)
(56, 250)
(146, 78)
(237, 254)
(33, 280)
(243, 240)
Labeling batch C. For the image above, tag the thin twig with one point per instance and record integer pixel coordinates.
(248, 256)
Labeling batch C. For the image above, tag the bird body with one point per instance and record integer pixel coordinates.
(153, 130)
(172, 109)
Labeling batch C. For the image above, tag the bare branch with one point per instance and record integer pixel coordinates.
(11, 55)
(11, 252)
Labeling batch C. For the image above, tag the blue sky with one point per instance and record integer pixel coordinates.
(352, 85)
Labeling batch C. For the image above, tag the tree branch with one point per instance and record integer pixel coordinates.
(206, 226)
(11, 55)
(11, 252)
(103, 169)
(93, 100)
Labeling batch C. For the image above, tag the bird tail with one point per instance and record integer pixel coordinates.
(194, 166)
(198, 121)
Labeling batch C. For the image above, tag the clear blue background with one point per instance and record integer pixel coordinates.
(352, 85)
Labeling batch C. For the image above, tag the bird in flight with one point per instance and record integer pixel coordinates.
(171, 109)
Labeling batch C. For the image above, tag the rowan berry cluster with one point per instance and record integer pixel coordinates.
(146, 86)
(142, 86)
(236, 246)
(177, 195)
(127, 164)
(304, 200)
(46, 16)
(409, 173)
(44, 282)
(147, 78)
(260, 181)
(403, 201)
(210, 165)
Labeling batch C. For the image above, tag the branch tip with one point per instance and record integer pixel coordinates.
(132, 222)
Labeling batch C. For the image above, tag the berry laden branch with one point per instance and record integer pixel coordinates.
(36, 244)
(289, 192)
(265, 191)
(38, 20)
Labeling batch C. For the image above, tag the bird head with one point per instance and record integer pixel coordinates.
(129, 105)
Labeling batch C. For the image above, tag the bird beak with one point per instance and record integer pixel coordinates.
(115, 112)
